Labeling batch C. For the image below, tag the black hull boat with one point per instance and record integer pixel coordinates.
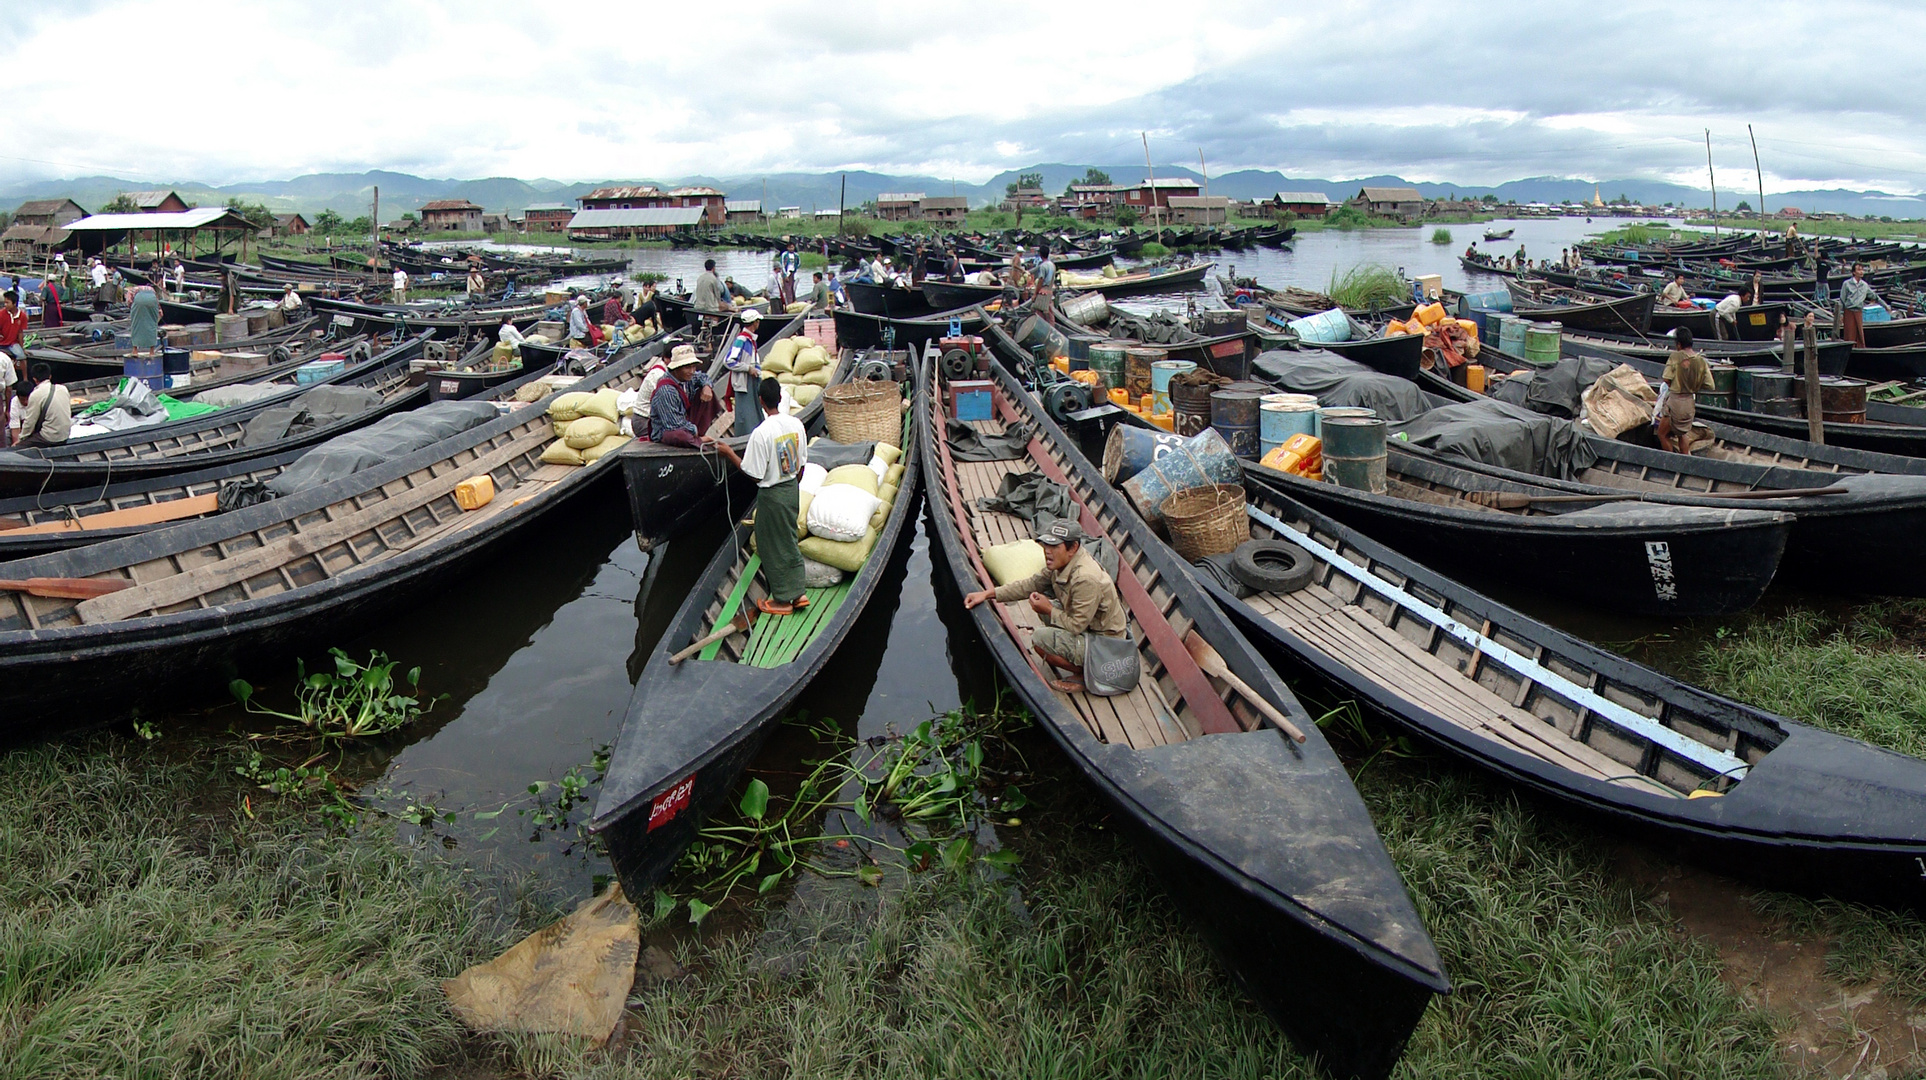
(671, 487)
(678, 756)
(270, 579)
(1264, 844)
(205, 441)
(1730, 786)
(1616, 556)
(855, 330)
(1582, 311)
(897, 302)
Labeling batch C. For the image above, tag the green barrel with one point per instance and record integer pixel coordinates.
(1542, 343)
(1354, 452)
(1107, 359)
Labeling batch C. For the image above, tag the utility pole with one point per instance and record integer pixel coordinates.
(842, 198)
(1761, 175)
(1713, 180)
(1148, 171)
(374, 230)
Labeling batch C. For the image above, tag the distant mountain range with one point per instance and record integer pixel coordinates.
(352, 194)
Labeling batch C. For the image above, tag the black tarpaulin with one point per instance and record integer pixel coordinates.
(1501, 434)
(317, 408)
(1340, 382)
(384, 440)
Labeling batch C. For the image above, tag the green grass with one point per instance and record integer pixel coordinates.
(140, 936)
(1864, 228)
(1152, 250)
(1441, 236)
(1560, 969)
(1367, 285)
(1847, 673)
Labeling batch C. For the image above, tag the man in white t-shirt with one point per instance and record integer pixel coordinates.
(401, 285)
(777, 451)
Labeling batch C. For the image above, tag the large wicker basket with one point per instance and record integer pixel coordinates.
(1205, 521)
(863, 411)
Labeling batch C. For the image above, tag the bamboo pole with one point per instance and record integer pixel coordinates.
(1714, 182)
(1152, 174)
(1760, 173)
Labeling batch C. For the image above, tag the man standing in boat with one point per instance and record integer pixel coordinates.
(401, 285)
(791, 262)
(1686, 376)
(1072, 594)
(1045, 279)
(774, 457)
(1853, 298)
(740, 363)
(709, 297)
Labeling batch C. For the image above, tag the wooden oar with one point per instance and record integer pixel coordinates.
(1518, 500)
(1213, 664)
(744, 619)
(66, 588)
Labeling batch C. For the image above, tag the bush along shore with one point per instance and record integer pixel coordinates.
(235, 909)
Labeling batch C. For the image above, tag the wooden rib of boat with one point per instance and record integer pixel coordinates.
(1264, 844)
(673, 486)
(203, 441)
(1734, 787)
(269, 579)
(678, 755)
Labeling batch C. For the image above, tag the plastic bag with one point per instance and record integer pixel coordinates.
(841, 512)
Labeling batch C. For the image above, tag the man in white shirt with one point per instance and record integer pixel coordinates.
(50, 413)
(401, 285)
(290, 302)
(98, 271)
(777, 451)
(1727, 311)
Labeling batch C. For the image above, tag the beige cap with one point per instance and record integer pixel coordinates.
(682, 356)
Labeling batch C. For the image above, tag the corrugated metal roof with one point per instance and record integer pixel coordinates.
(152, 198)
(551, 206)
(636, 219)
(1391, 194)
(43, 207)
(198, 218)
(1302, 197)
(634, 191)
(1170, 182)
(1197, 202)
(450, 204)
(742, 206)
(899, 197)
(706, 192)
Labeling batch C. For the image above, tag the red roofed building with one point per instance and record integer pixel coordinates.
(451, 215)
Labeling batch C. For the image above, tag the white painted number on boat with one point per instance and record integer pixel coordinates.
(664, 471)
(670, 803)
(450, 386)
(1922, 865)
(1658, 553)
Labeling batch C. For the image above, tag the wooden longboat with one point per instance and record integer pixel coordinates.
(268, 580)
(898, 302)
(856, 330)
(1481, 266)
(1889, 429)
(1151, 280)
(679, 754)
(1874, 523)
(1613, 555)
(56, 520)
(1264, 844)
(950, 295)
(672, 486)
(1392, 354)
(203, 441)
(1777, 802)
(1541, 302)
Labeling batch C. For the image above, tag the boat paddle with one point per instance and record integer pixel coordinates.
(66, 588)
(1213, 664)
(1518, 500)
(744, 619)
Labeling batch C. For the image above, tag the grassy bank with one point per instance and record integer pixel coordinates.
(1865, 230)
(163, 917)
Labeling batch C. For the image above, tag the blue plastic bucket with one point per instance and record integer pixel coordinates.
(1323, 328)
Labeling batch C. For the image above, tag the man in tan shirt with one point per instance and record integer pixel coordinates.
(1072, 594)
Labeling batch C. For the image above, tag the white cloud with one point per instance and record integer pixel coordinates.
(1463, 92)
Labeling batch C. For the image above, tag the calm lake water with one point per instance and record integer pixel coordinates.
(539, 649)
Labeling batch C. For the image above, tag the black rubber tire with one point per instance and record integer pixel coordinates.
(1272, 565)
(958, 364)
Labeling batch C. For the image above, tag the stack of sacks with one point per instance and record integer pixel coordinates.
(842, 510)
(800, 364)
(587, 426)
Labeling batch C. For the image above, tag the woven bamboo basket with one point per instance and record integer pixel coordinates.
(863, 411)
(1205, 521)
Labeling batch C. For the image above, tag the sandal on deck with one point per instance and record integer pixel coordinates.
(771, 607)
(1067, 686)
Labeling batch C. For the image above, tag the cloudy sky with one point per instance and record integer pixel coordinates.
(1470, 93)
